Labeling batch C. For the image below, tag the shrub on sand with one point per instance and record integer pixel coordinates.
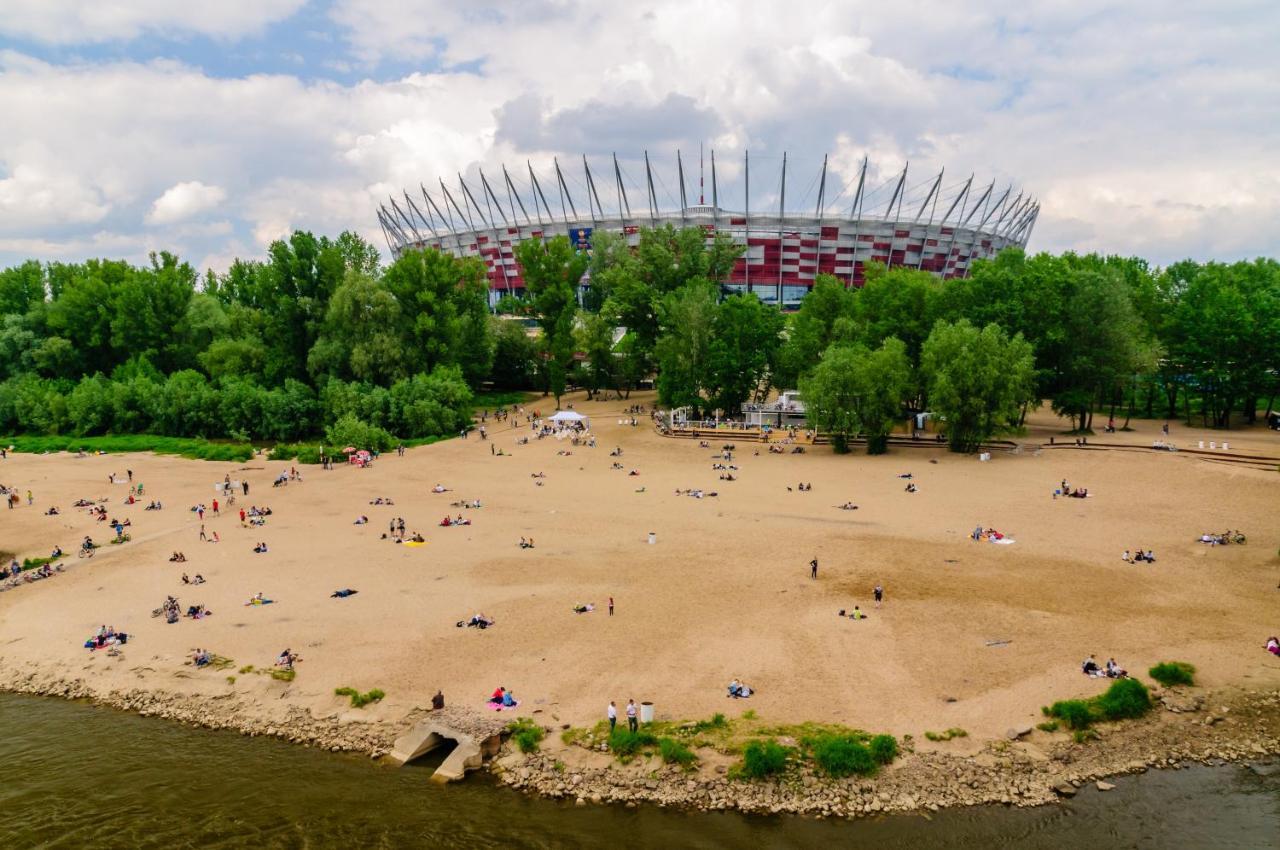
(1170, 673)
(762, 758)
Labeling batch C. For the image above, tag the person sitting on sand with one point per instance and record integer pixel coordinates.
(1126, 557)
(580, 608)
(185, 579)
(496, 696)
(437, 701)
(911, 488)
(287, 659)
(1114, 671)
(417, 538)
(361, 520)
(1090, 667)
(526, 544)
(856, 614)
(508, 699)
(201, 657)
(260, 548)
(199, 579)
(56, 553)
(1273, 645)
(439, 489)
(343, 594)
(446, 522)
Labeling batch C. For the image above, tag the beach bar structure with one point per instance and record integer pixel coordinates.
(790, 226)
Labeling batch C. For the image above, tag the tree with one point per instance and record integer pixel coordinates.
(552, 270)
(825, 317)
(595, 341)
(688, 318)
(854, 390)
(744, 345)
(977, 380)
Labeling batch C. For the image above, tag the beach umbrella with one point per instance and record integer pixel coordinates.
(349, 449)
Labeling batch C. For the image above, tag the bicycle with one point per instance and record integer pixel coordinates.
(86, 552)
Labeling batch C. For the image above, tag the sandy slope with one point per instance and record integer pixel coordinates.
(725, 592)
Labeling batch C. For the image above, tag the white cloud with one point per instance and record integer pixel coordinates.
(1143, 129)
(183, 200)
(91, 21)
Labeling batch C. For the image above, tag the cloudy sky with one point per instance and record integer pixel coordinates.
(210, 129)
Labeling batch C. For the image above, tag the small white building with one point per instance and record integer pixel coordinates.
(785, 412)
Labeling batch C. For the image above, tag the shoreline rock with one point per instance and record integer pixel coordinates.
(1034, 769)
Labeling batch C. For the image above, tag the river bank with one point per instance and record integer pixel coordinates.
(1024, 769)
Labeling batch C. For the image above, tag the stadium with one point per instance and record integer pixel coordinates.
(926, 225)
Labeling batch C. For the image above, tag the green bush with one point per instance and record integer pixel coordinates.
(884, 748)
(300, 452)
(188, 447)
(843, 755)
(1126, 698)
(527, 734)
(717, 721)
(762, 758)
(1170, 673)
(1076, 713)
(1048, 726)
(953, 732)
(624, 743)
(359, 700)
(351, 431)
(674, 752)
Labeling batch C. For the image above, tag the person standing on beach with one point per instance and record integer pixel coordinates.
(612, 714)
(879, 594)
(215, 507)
(632, 724)
(130, 471)
(200, 513)
(203, 536)
(813, 568)
(610, 606)
(29, 498)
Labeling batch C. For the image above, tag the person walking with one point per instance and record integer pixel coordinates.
(29, 498)
(879, 594)
(813, 568)
(610, 606)
(203, 536)
(612, 714)
(215, 507)
(632, 723)
(200, 513)
(130, 471)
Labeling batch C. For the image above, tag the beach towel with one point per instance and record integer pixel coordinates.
(414, 543)
(1004, 541)
(496, 706)
(259, 602)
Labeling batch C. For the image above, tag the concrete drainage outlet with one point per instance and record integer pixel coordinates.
(469, 754)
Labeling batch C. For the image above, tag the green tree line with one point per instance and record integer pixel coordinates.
(317, 333)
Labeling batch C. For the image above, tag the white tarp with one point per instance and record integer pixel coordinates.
(571, 416)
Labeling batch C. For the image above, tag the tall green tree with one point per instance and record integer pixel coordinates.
(552, 271)
(977, 380)
(855, 390)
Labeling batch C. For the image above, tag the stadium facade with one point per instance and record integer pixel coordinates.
(928, 225)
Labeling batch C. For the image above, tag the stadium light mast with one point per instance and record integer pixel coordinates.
(537, 193)
(591, 191)
(932, 196)
(449, 201)
(493, 226)
(623, 203)
(855, 214)
(446, 222)
(702, 199)
(897, 196)
(385, 235)
(653, 197)
(822, 190)
(513, 197)
(782, 211)
(962, 199)
(417, 237)
(565, 194)
(715, 201)
(746, 217)
(414, 208)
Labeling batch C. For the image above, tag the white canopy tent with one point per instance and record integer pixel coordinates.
(570, 417)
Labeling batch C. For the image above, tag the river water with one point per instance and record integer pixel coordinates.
(75, 775)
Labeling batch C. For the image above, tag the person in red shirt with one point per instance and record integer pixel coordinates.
(215, 507)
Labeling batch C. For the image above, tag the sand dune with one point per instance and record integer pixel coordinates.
(971, 634)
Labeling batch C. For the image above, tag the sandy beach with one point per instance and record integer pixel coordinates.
(971, 635)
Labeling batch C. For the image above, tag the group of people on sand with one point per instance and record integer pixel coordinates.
(1112, 670)
(526, 544)
(199, 579)
(106, 636)
(990, 535)
(739, 690)
(1138, 557)
(1066, 491)
(1223, 539)
(697, 493)
(802, 487)
(381, 500)
(260, 548)
(448, 522)
(503, 698)
(478, 620)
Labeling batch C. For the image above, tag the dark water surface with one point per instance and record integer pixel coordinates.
(75, 776)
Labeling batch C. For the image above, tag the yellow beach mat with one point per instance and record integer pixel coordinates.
(413, 543)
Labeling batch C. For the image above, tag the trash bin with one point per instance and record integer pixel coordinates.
(646, 712)
(1202, 444)
(1226, 447)
(653, 537)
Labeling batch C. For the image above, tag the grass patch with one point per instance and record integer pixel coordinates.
(842, 755)
(231, 680)
(749, 714)
(359, 700)
(1170, 673)
(884, 748)
(527, 734)
(300, 452)
(248, 668)
(761, 759)
(1082, 735)
(189, 447)
(31, 563)
(954, 732)
(284, 675)
(674, 752)
(494, 400)
(1048, 726)
(1124, 700)
(626, 744)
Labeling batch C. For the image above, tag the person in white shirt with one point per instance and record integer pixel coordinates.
(612, 713)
